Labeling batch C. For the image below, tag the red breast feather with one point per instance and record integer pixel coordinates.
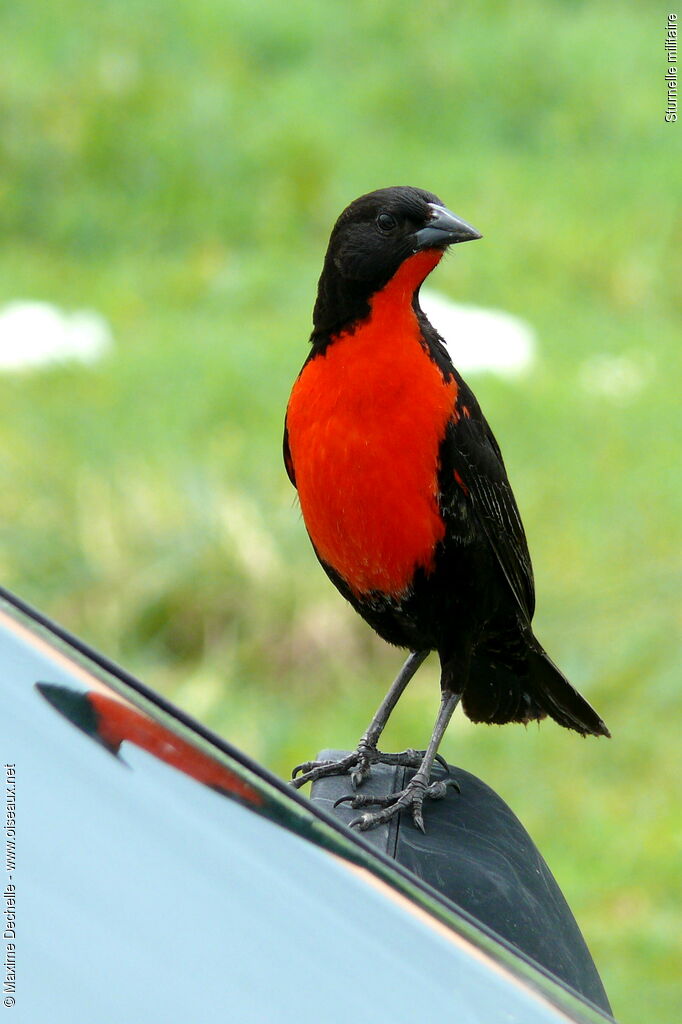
(365, 421)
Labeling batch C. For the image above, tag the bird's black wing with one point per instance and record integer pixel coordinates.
(471, 465)
(288, 461)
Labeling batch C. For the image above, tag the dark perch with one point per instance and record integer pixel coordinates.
(478, 854)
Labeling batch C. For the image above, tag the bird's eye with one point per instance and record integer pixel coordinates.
(386, 221)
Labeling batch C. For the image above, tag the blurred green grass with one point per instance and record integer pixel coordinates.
(177, 167)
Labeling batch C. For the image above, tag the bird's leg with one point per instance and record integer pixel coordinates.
(418, 788)
(367, 747)
(360, 761)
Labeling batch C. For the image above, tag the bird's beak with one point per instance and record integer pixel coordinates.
(444, 228)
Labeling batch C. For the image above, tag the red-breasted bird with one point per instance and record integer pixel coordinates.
(405, 495)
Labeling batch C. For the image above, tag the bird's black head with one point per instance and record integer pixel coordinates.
(369, 242)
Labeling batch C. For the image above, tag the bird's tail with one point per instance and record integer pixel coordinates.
(559, 699)
(498, 693)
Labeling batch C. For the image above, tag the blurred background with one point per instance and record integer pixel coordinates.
(169, 173)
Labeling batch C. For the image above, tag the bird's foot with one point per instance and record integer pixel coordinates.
(357, 765)
(412, 796)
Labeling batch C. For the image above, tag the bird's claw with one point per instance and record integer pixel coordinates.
(306, 766)
(313, 770)
(358, 765)
(411, 758)
(359, 774)
(411, 797)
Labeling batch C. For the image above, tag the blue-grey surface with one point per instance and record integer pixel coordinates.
(144, 896)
